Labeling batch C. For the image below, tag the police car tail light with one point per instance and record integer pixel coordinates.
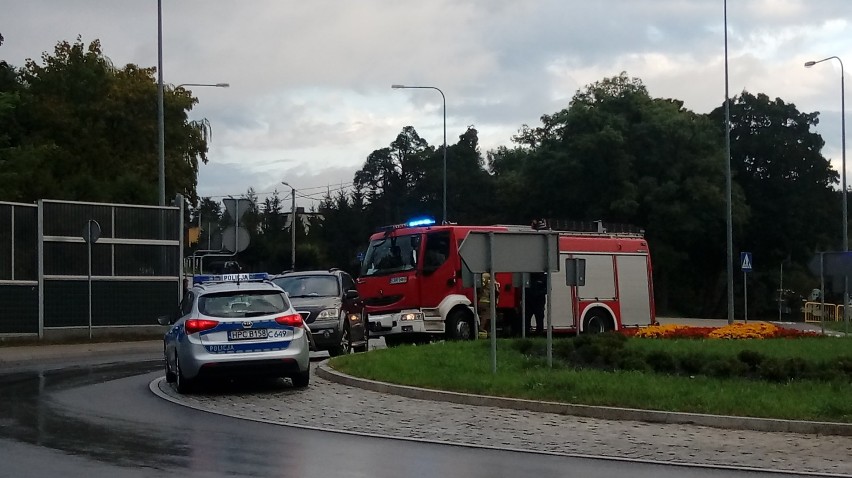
(199, 325)
(293, 320)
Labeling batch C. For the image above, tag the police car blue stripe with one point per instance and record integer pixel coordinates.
(242, 348)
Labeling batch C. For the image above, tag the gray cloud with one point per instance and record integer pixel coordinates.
(310, 81)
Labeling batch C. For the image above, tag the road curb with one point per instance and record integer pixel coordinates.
(608, 413)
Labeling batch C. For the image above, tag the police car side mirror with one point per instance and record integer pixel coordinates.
(351, 294)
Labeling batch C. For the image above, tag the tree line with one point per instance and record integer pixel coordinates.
(76, 127)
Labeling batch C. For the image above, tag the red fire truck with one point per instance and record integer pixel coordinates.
(411, 284)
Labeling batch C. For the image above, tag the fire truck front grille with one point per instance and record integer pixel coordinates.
(382, 301)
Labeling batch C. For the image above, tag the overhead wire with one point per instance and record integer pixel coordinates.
(299, 192)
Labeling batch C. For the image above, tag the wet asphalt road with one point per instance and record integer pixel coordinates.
(85, 418)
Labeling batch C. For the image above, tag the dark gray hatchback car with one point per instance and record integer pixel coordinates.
(329, 303)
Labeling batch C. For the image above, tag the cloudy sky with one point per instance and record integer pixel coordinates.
(310, 92)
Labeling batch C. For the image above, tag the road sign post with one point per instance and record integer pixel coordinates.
(91, 234)
(746, 266)
(492, 251)
(575, 275)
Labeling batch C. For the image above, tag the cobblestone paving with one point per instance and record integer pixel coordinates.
(333, 406)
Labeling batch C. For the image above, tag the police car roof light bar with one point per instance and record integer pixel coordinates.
(254, 276)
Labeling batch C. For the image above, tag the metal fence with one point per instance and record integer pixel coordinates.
(18, 269)
(45, 264)
(818, 312)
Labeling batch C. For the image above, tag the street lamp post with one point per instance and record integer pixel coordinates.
(215, 85)
(444, 98)
(843, 142)
(161, 122)
(161, 170)
(843, 169)
(292, 226)
(729, 222)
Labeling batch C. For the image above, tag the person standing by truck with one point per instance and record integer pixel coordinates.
(536, 293)
(536, 298)
(484, 303)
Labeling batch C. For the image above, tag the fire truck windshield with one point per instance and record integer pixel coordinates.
(391, 254)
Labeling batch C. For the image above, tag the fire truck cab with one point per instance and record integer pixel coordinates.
(411, 284)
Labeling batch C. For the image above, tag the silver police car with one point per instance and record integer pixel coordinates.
(234, 325)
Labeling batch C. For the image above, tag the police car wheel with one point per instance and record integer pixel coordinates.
(170, 376)
(184, 385)
(302, 379)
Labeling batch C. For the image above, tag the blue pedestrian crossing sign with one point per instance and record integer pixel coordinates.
(745, 261)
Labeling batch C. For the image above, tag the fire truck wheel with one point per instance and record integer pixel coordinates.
(460, 326)
(597, 322)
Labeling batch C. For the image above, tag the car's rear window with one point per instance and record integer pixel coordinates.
(242, 303)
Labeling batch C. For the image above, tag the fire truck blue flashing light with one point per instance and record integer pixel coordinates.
(421, 221)
(418, 222)
(255, 276)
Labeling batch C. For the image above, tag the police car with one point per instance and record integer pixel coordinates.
(235, 325)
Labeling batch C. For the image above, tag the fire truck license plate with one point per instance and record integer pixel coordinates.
(248, 334)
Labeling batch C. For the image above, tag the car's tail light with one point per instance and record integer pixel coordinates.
(293, 320)
(199, 325)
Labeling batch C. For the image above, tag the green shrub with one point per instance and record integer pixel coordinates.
(661, 361)
(725, 367)
(523, 346)
(565, 351)
(632, 360)
(611, 339)
(843, 365)
(692, 363)
(751, 359)
(797, 368)
(599, 350)
(614, 352)
(773, 369)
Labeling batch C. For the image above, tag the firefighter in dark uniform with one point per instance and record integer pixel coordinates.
(536, 293)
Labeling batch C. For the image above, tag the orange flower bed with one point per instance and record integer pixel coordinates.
(752, 330)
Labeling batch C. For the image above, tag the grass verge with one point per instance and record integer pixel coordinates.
(838, 326)
(466, 367)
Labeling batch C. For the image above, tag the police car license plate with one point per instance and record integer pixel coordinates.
(248, 334)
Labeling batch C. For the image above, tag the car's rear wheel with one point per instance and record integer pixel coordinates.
(302, 379)
(184, 385)
(170, 376)
(345, 345)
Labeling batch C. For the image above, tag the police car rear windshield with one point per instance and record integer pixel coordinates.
(239, 304)
(391, 254)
